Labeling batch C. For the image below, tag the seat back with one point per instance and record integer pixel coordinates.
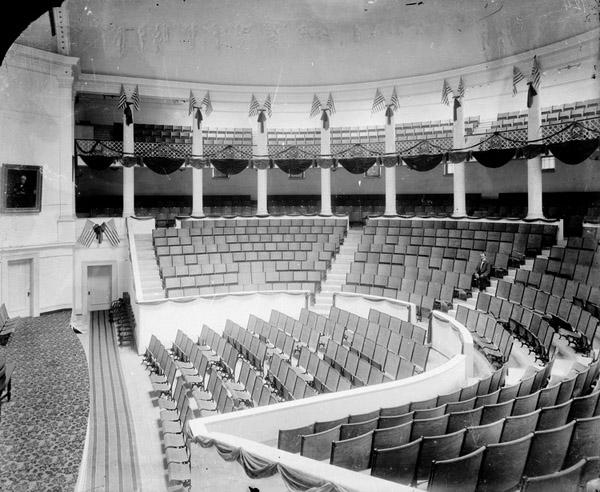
(291, 439)
(482, 435)
(441, 447)
(318, 446)
(548, 450)
(456, 474)
(353, 454)
(566, 480)
(397, 464)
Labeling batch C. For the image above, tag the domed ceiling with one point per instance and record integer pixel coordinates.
(310, 42)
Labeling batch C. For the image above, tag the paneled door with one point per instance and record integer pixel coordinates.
(19, 299)
(99, 283)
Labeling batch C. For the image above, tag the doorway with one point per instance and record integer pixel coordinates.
(19, 298)
(99, 287)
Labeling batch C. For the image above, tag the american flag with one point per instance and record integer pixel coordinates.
(87, 234)
(254, 106)
(536, 75)
(378, 102)
(446, 91)
(267, 105)
(330, 104)
(135, 98)
(193, 103)
(111, 232)
(122, 98)
(315, 109)
(461, 88)
(394, 101)
(206, 102)
(517, 77)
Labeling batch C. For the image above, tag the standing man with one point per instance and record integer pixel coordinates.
(481, 277)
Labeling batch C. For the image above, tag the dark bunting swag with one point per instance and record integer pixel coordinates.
(163, 165)
(424, 162)
(357, 165)
(293, 166)
(229, 167)
(494, 158)
(574, 151)
(98, 162)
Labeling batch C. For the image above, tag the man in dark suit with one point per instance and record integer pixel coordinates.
(481, 277)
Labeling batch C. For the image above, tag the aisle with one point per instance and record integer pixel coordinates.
(111, 457)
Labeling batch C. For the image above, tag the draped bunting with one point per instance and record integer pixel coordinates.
(357, 165)
(494, 158)
(389, 112)
(262, 118)
(456, 157)
(457, 105)
(128, 114)
(198, 118)
(389, 160)
(230, 167)
(197, 162)
(293, 166)
(325, 119)
(163, 165)
(129, 160)
(425, 162)
(325, 162)
(98, 162)
(531, 93)
(531, 150)
(256, 468)
(261, 163)
(574, 151)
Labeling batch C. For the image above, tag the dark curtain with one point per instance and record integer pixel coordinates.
(574, 151)
(230, 167)
(163, 165)
(357, 165)
(98, 162)
(494, 158)
(424, 162)
(293, 166)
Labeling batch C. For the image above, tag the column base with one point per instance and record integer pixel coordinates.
(322, 214)
(262, 215)
(535, 217)
(453, 216)
(389, 215)
(197, 216)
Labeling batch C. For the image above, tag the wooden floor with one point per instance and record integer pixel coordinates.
(111, 449)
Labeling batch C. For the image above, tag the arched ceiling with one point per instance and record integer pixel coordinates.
(310, 42)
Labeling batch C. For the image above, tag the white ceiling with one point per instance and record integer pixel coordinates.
(307, 42)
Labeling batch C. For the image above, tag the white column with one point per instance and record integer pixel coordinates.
(197, 174)
(326, 173)
(534, 166)
(390, 172)
(128, 172)
(458, 142)
(261, 174)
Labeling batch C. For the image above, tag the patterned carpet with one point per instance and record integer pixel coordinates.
(43, 428)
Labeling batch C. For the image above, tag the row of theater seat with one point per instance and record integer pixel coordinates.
(529, 327)
(568, 319)
(407, 451)
(8, 325)
(589, 274)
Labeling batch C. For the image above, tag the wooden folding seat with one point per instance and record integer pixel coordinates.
(397, 464)
(554, 416)
(463, 419)
(456, 474)
(566, 480)
(503, 464)
(482, 435)
(429, 427)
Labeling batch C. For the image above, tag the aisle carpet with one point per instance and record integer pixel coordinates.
(111, 464)
(42, 431)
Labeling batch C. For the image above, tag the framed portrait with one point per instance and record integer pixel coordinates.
(373, 172)
(21, 189)
(216, 174)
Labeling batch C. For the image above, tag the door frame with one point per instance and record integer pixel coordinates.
(114, 288)
(33, 258)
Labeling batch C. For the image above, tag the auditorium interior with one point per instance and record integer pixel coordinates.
(302, 245)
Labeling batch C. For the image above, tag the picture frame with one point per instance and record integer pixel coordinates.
(300, 176)
(21, 187)
(373, 172)
(216, 174)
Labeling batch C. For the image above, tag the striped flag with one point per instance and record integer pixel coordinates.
(517, 77)
(267, 105)
(461, 88)
(111, 232)
(536, 74)
(394, 101)
(378, 102)
(446, 91)
(206, 102)
(122, 98)
(193, 103)
(254, 107)
(330, 104)
(135, 98)
(315, 109)
(87, 234)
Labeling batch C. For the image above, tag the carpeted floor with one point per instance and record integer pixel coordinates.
(43, 428)
(112, 456)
